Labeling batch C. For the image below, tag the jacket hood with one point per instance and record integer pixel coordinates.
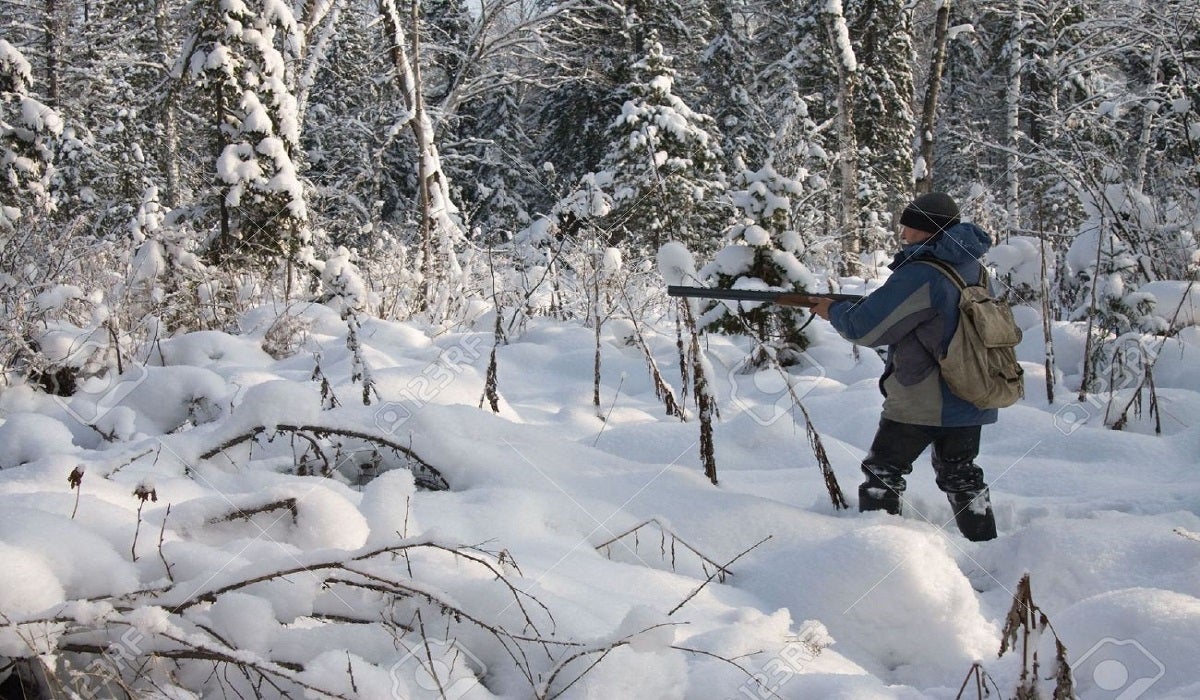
(960, 243)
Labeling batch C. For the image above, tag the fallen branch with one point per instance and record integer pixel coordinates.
(186, 637)
(285, 504)
(427, 476)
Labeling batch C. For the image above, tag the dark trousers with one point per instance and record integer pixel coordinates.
(897, 445)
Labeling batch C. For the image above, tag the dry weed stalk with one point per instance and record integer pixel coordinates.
(664, 533)
(1026, 621)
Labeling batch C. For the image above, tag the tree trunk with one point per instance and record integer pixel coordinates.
(1012, 121)
(169, 153)
(438, 230)
(937, 62)
(847, 68)
(1047, 336)
(1146, 139)
(53, 42)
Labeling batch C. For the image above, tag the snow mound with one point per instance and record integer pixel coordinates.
(211, 349)
(27, 585)
(28, 437)
(1136, 642)
(83, 563)
(899, 595)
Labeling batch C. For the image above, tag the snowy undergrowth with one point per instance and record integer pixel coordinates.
(288, 540)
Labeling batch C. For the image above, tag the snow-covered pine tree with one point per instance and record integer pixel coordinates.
(112, 98)
(159, 292)
(595, 44)
(665, 166)
(797, 140)
(582, 98)
(762, 249)
(352, 126)
(239, 57)
(502, 183)
(28, 130)
(883, 119)
(447, 26)
(727, 69)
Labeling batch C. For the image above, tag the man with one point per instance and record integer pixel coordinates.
(914, 314)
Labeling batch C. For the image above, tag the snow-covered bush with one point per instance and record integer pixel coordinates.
(762, 252)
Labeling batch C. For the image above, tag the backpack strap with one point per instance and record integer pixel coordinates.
(949, 271)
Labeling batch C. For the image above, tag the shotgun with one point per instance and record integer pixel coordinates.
(781, 298)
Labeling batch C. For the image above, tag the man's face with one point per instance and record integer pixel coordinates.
(910, 235)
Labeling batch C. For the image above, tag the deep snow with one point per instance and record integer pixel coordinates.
(836, 604)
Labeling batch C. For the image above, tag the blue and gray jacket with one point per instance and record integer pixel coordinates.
(915, 313)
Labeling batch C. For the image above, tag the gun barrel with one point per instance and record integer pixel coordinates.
(787, 298)
(737, 294)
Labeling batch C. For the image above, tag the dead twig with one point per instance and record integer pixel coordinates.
(721, 572)
(707, 581)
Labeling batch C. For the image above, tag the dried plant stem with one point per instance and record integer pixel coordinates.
(161, 534)
(611, 406)
(706, 403)
(1026, 621)
(664, 531)
(723, 567)
(662, 390)
(836, 496)
(981, 678)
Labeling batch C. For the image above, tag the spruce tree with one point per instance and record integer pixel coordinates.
(586, 94)
(352, 136)
(762, 248)
(883, 117)
(727, 69)
(502, 182)
(28, 131)
(665, 165)
(236, 58)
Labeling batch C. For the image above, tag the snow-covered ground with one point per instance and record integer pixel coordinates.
(233, 573)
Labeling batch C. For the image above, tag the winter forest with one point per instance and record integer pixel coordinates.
(338, 360)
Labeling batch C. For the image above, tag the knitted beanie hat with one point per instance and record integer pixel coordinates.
(933, 213)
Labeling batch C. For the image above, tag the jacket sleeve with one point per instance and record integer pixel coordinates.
(889, 313)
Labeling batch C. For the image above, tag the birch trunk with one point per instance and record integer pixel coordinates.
(440, 231)
(847, 68)
(937, 63)
(1012, 121)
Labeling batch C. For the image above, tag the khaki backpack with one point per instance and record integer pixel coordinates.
(980, 364)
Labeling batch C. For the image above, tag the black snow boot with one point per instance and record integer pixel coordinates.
(973, 515)
(873, 495)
